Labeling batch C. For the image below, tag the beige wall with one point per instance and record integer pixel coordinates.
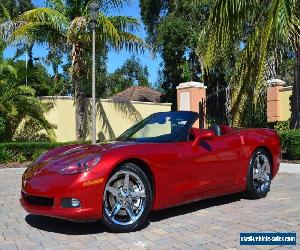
(112, 118)
(285, 109)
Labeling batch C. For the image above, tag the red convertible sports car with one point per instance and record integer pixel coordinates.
(160, 162)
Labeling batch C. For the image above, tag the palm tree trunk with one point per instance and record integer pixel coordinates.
(78, 75)
(30, 55)
(295, 117)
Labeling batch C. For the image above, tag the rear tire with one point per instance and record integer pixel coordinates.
(259, 175)
(127, 199)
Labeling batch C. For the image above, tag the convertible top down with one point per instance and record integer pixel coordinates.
(160, 162)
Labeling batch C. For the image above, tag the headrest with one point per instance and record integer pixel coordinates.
(217, 129)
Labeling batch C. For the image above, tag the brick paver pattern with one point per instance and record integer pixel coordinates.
(210, 224)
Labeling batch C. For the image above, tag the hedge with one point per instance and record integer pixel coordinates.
(290, 142)
(26, 151)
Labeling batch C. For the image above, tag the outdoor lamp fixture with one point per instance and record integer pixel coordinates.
(94, 11)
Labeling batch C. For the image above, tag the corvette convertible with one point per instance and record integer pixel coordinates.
(160, 162)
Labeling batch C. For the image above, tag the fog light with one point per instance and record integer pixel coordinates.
(70, 202)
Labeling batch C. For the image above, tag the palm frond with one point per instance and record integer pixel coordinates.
(293, 34)
(226, 31)
(40, 25)
(106, 28)
(4, 12)
(225, 26)
(129, 42)
(46, 16)
(7, 68)
(124, 23)
(109, 4)
(13, 99)
(43, 34)
(8, 27)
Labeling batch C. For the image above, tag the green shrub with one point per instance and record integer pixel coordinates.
(5, 156)
(290, 141)
(280, 126)
(26, 151)
(2, 129)
(19, 158)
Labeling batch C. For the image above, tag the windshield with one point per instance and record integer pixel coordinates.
(161, 127)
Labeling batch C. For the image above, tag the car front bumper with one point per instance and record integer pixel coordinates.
(43, 196)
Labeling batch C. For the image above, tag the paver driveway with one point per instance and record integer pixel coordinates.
(210, 224)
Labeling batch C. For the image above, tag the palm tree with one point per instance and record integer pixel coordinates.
(295, 116)
(18, 104)
(13, 99)
(252, 28)
(65, 25)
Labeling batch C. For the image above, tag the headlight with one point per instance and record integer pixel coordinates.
(82, 166)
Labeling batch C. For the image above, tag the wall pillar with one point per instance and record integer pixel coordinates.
(273, 99)
(189, 94)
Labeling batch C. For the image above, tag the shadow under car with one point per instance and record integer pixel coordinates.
(56, 225)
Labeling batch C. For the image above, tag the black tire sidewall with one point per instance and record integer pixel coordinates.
(148, 202)
(251, 191)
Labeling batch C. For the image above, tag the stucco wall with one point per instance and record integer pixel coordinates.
(278, 102)
(189, 94)
(112, 118)
(285, 109)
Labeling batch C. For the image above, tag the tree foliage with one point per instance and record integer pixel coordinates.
(255, 29)
(19, 108)
(13, 8)
(173, 29)
(65, 25)
(223, 43)
(131, 73)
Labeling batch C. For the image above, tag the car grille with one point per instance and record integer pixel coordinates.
(38, 200)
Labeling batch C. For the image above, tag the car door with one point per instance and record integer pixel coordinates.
(215, 164)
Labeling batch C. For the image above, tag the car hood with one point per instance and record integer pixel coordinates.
(58, 158)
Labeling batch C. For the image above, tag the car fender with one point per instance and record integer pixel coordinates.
(256, 138)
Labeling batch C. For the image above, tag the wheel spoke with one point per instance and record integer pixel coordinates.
(257, 161)
(261, 172)
(261, 187)
(255, 174)
(115, 192)
(130, 213)
(137, 195)
(264, 167)
(126, 182)
(124, 197)
(266, 177)
(115, 210)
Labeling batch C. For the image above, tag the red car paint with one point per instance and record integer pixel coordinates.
(180, 173)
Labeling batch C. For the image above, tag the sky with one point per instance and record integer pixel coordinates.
(115, 59)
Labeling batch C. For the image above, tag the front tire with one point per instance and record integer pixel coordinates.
(259, 175)
(127, 199)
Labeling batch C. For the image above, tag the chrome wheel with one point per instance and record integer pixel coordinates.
(124, 198)
(261, 173)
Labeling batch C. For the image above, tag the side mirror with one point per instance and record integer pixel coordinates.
(207, 135)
